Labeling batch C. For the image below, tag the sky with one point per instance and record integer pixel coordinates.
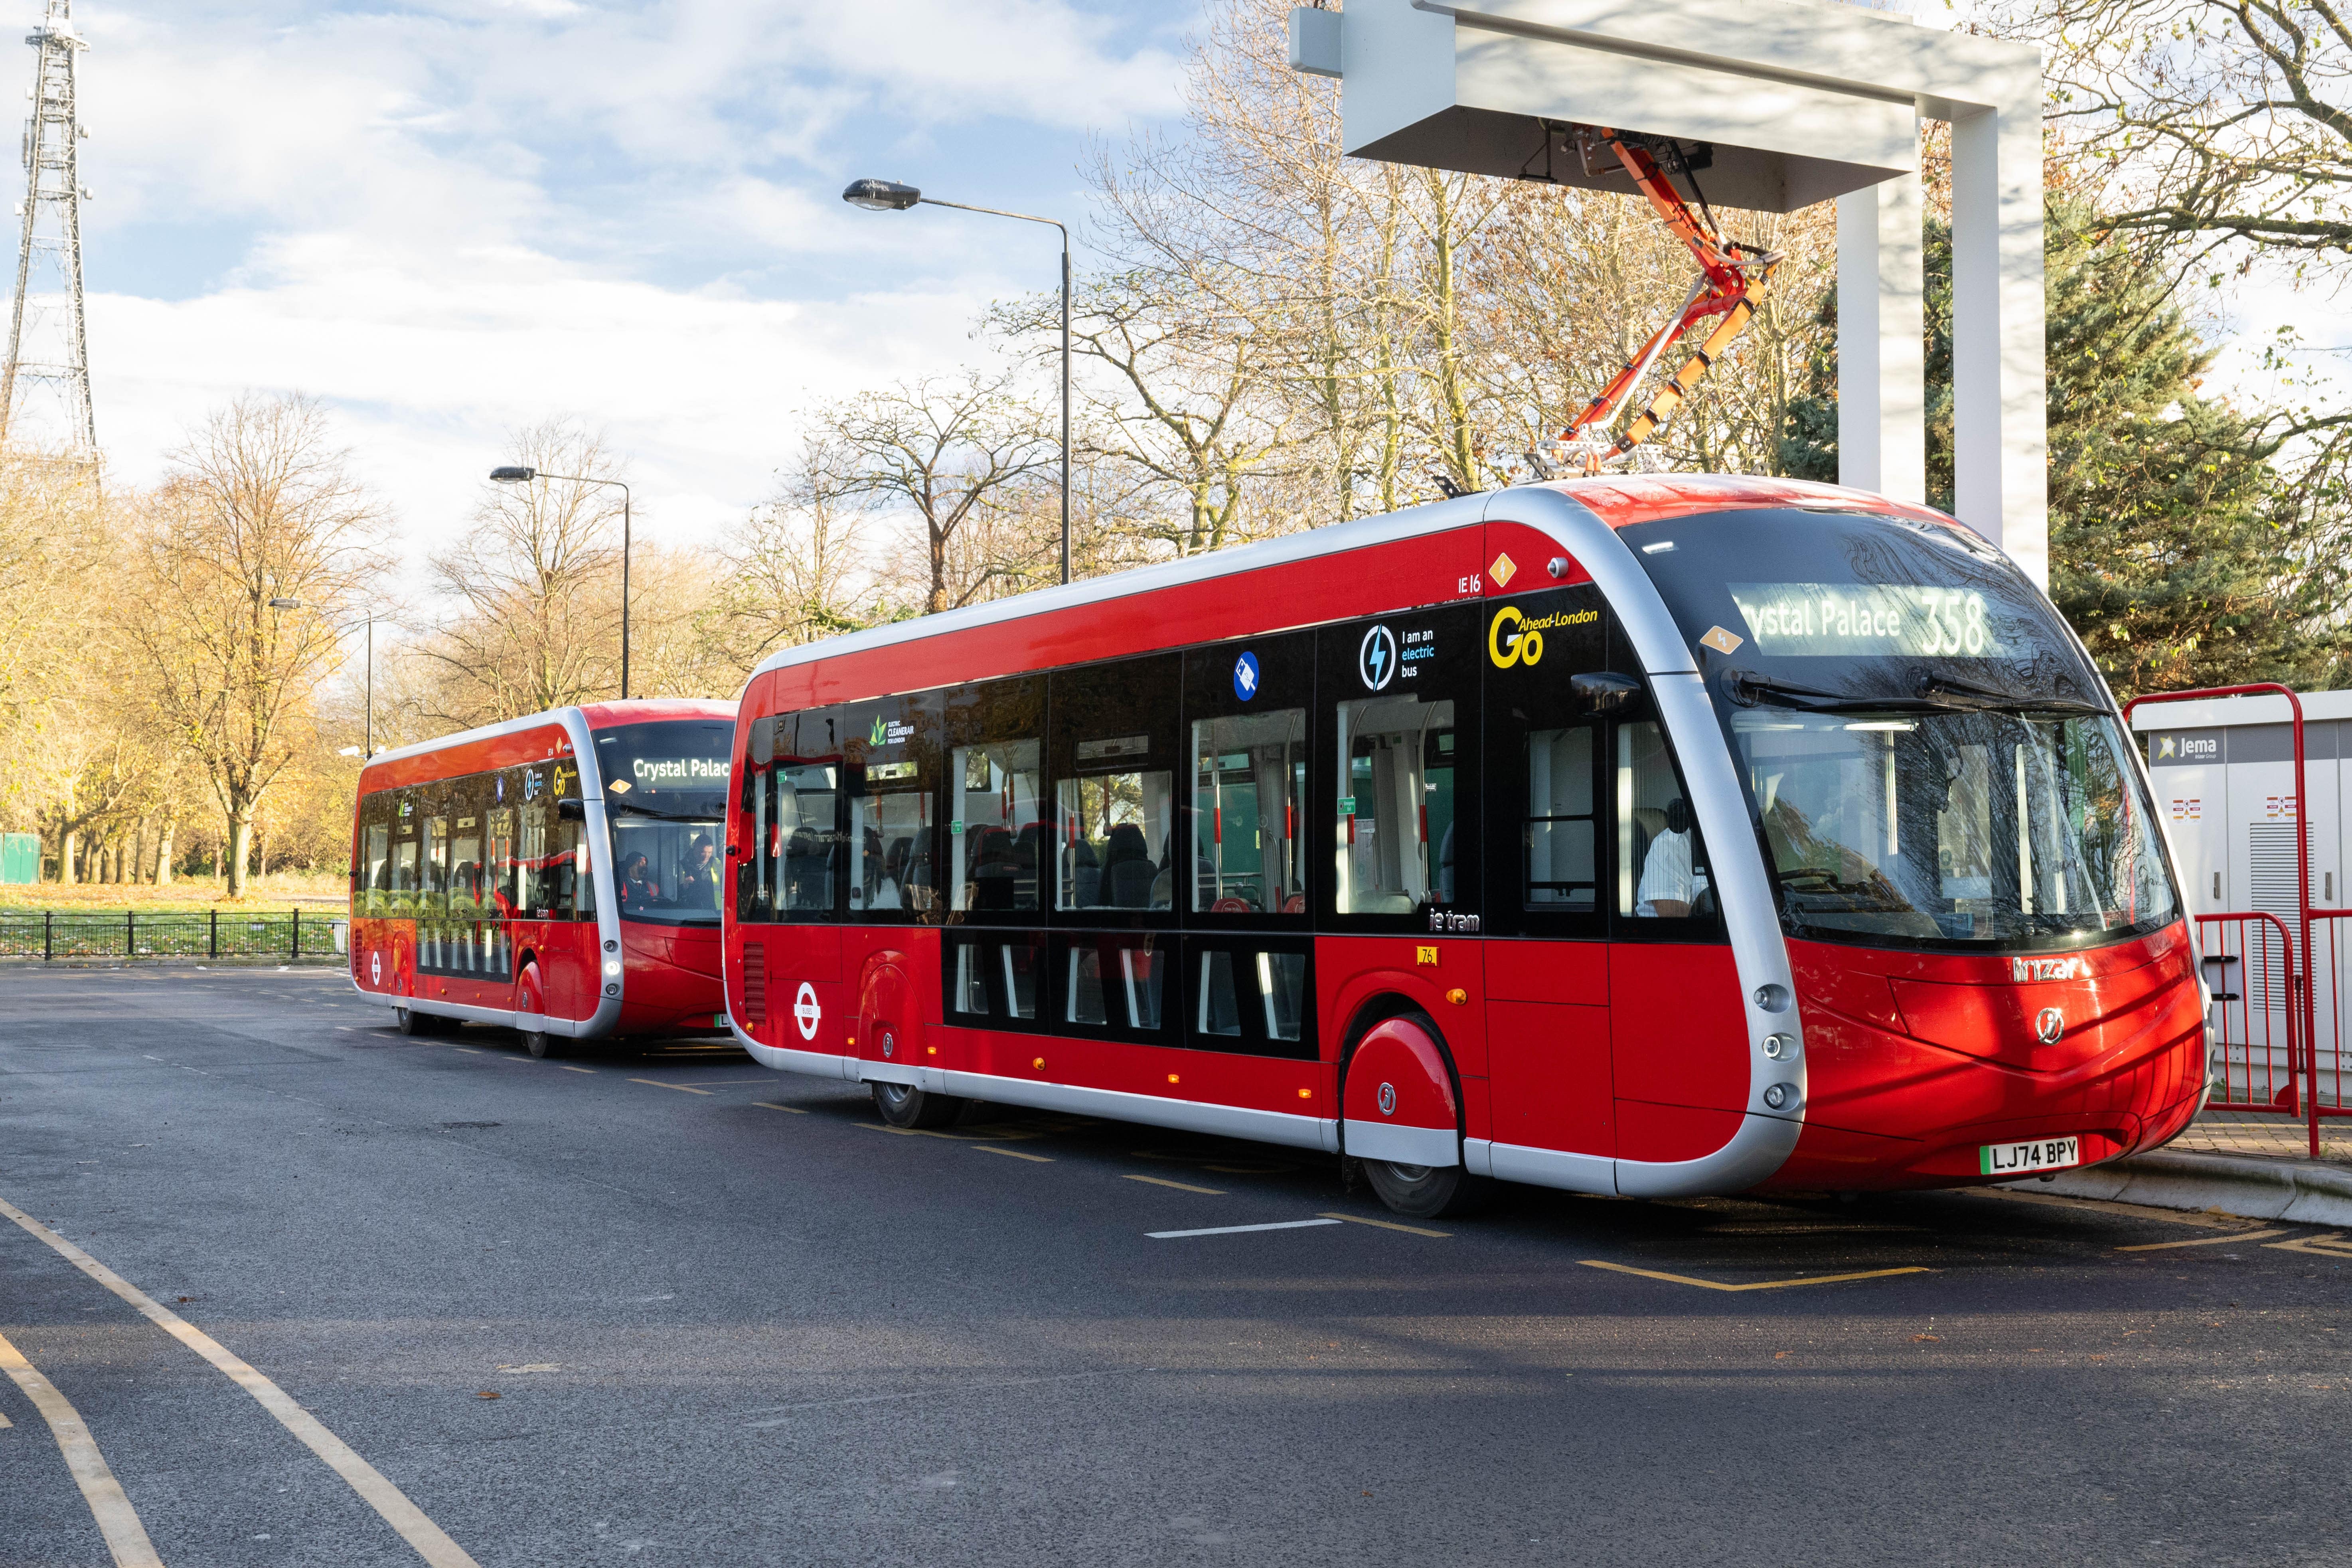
(451, 219)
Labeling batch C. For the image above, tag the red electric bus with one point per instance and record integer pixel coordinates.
(1648, 836)
(558, 875)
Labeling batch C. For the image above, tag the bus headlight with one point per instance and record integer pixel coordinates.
(1778, 1096)
(611, 969)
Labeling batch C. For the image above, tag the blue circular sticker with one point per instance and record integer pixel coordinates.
(1246, 677)
(1376, 659)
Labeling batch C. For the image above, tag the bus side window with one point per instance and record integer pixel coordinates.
(433, 863)
(997, 833)
(1249, 782)
(376, 855)
(407, 872)
(1562, 838)
(1404, 736)
(756, 861)
(888, 786)
(808, 820)
(1114, 745)
(1662, 868)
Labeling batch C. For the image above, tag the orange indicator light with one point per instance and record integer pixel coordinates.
(1457, 996)
(1305, 1094)
(1171, 1077)
(1040, 1062)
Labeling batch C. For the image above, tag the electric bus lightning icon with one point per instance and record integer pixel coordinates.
(1376, 660)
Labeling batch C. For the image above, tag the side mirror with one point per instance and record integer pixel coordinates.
(574, 809)
(1603, 692)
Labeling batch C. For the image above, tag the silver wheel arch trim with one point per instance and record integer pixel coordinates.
(574, 725)
(1765, 1137)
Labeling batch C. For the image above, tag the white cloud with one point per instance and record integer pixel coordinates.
(449, 217)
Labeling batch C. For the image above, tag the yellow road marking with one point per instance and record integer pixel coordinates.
(1759, 1285)
(567, 1066)
(789, 1109)
(2109, 1205)
(2332, 1245)
(2202, 1241)
(1387, 1225)
(430, 1543)
(1012, 1153)
(1180, 1186)
(681, 1088)
(467, 1050)
(976, 1138)
(5, 1422)
(117, 1520)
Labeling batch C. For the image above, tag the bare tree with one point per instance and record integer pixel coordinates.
(257, 505)
(2220, 120)
(946, 452)
(799, 566)
(536, 586)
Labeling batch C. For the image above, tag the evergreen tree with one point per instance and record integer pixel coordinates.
(2186, 546)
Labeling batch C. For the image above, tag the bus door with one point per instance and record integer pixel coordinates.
(1678, 1051)
(791, 875)
(1547, 961)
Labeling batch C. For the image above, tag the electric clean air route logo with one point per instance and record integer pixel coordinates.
(1376, 660)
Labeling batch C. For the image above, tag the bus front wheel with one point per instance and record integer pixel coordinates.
(1426, 1191)
(904, 1105)
(409, 1021)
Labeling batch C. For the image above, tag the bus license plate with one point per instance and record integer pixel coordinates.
(2015, 1159)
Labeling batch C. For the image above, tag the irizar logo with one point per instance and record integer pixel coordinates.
(1376, 660)
(2049, 1026)
(2025, 970)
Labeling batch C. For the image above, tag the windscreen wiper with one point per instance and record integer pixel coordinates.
(1972, 695)
(1748, 690)
(631, 808)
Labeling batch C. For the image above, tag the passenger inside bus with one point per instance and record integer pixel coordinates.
(1662, 867)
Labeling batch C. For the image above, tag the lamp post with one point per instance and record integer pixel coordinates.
(368, 728)
(888, 195)
(518, 475)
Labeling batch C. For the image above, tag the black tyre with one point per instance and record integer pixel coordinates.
(1427, 1192)
(409, 1021)
(904, 1105)
(542, 1045)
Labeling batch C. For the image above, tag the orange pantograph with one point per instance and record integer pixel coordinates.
(1731, 282)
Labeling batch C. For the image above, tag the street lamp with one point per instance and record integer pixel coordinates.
(890, 195)
(368, 749)
(514, 475)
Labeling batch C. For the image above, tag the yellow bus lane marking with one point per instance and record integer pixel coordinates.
(2332, 1245)
(975, 1139)
(2202, 1241)
(567, 1066)
(1013, 1153)
(431, 1543)
(771, 1105)
(1757, 1285)
(1180, 1186)
(1386, 1224)
(681, 1088)
(117, 1520)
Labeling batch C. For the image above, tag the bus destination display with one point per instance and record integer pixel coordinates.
(1848, 620)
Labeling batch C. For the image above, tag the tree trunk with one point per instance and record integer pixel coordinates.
(163, 852)
(240, 848)
(137, 870)
(68, 847)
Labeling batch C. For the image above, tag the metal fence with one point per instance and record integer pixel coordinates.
(288, 936)
(2251, 967)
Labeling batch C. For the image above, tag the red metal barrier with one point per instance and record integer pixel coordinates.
(2249, 964)
(2330, 945)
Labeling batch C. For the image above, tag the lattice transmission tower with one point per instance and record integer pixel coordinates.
(45, 381)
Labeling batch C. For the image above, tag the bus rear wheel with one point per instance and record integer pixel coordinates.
(409, 1021)
(904, 1105)
(542, 1044)
(1426, 1191)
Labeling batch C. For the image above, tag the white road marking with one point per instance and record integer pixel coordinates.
(1237, 1229)
(117, 1520)
(427, 1538)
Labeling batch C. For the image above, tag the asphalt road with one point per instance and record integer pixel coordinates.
(730, 1319)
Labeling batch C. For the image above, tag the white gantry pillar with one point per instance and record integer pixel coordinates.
(1881, 343)
(2000, 420)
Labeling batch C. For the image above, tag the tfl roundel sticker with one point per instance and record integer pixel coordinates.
(1376, 660)
(806, 1013)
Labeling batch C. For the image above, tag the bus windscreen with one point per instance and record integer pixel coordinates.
(665, 786)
